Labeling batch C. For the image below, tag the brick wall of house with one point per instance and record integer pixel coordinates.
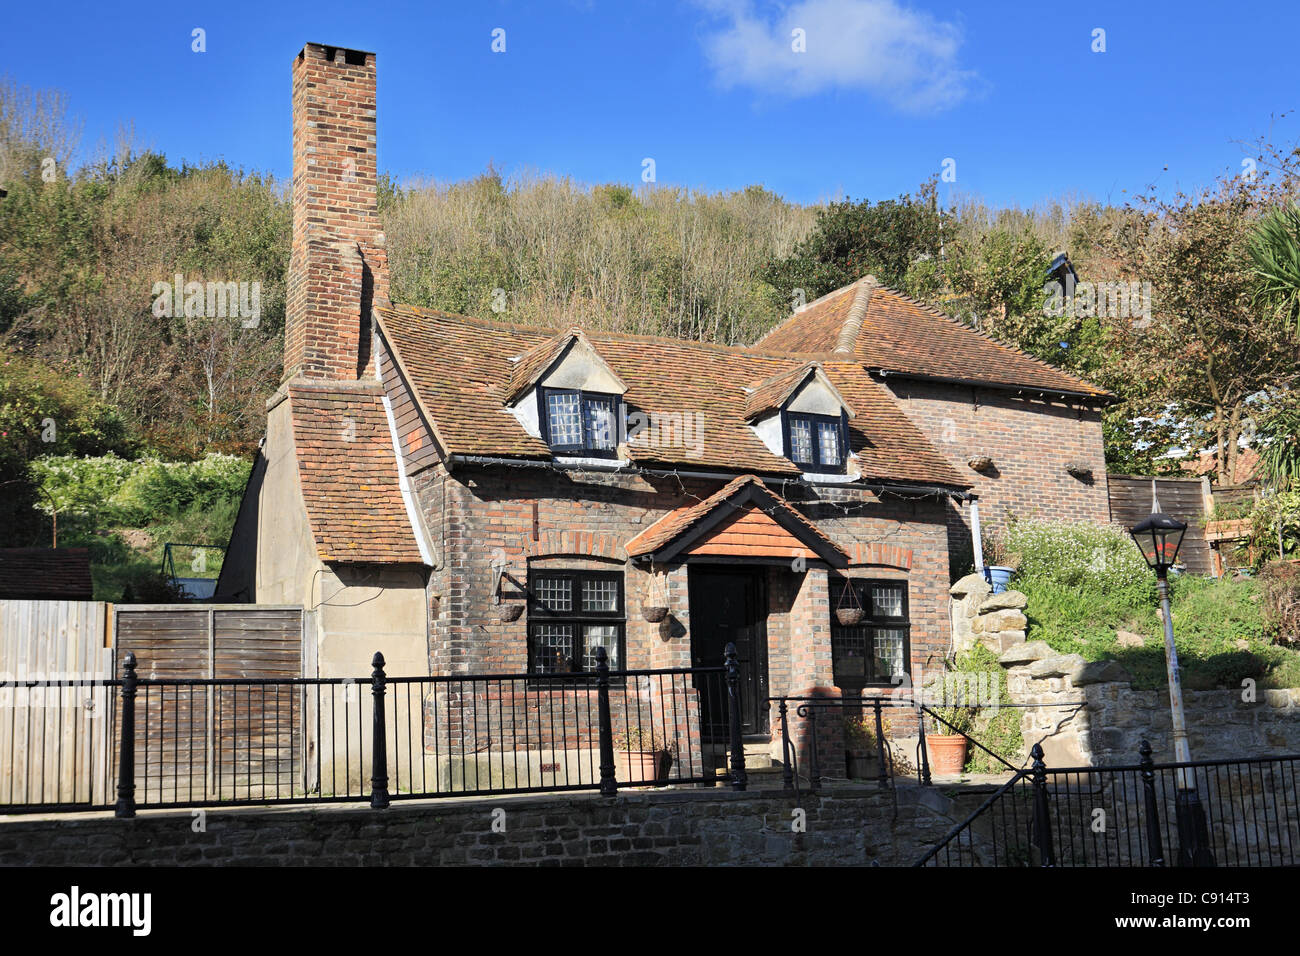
(1030, 442)
(337, 262)
(483, 514)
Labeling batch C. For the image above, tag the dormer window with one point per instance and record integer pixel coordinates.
(799, 414)
(578, 422)
(816, 442)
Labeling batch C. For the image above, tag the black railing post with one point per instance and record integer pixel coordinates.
(921, 747)
(882, 777)
(739, 779)
(787, 771)
(1042, 823)
(814, 771)
(608, 784)
(1155, 849)
(379, 739)
(126, 745)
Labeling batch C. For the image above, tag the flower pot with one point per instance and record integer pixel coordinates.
(509, 612)
(999, 577)
(947, 753)
(848, 616)
(861, 765)
(654, 613)
(639, 767)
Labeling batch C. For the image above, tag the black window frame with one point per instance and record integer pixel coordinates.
(584, 448)
(841, 423)
(575, 617)
(870, 624)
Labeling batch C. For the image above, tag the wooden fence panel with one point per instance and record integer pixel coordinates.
(1182, 498)
(54, 741)
(244, 741)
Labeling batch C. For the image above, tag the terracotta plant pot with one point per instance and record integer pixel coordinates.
(849, 616)
(509, 612)
(947, 753)
(654, 613)
(861, 765)
(639, 767)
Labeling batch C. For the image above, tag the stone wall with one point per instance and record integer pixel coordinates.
(997, 621)
(1086, 713)
(851, 827)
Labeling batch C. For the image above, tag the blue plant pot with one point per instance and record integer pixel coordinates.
(999, 577)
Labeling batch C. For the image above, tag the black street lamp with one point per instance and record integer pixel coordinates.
(1159, 537)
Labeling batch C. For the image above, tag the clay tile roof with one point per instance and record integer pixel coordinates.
(772, 394)
(348, 472)
(892, 332)
(739, 492)
(461, 373)
(45, 574)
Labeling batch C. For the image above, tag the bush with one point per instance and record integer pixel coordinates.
(1083, 555)
(1280, 584)
(1275, 528)
(1084, 583)
(110, 490)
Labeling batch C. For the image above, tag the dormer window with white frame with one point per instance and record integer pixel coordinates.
(801, 416)
(565, 394)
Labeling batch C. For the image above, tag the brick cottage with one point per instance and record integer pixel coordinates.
(471, 496)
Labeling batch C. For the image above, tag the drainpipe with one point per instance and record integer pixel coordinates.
(976, 538)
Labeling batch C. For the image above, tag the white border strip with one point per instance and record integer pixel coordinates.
(408, 496)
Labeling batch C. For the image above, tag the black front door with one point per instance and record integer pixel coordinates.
(730, 605)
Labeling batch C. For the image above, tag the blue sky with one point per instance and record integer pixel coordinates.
(712, 90)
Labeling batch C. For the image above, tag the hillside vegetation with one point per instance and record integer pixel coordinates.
(93, 366)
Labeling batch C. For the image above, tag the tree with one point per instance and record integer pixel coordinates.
(1274, 246)
(1277, 439)
(854, 239)
(1207, 348)
(46, 411)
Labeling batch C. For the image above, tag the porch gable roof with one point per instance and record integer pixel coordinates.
(679, 530)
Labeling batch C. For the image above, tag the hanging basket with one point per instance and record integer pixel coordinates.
(507, 612)
(655, 606)
(849, 614)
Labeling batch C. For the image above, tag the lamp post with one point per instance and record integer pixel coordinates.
(1159, 537)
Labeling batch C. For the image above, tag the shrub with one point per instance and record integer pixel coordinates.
(1081, 555)
(975, 701)
(111, 490)
(1280, 584)
(1275, 527)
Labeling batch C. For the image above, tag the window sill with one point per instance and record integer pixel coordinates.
(828, 478)
(599, 464)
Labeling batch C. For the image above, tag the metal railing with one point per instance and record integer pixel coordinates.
(218, 742)
(812, 748)
(1135, 815)
(812, 745)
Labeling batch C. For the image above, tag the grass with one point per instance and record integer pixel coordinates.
(1091, 589)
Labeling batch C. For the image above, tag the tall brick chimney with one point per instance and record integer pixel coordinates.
(338, 268)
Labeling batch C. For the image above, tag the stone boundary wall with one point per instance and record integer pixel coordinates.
(849, 827)
(1086, 713)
